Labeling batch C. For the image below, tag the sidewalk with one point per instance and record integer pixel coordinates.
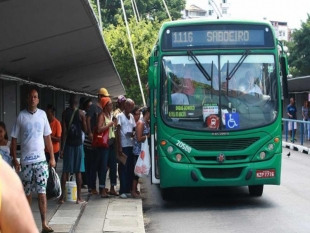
(111, 214)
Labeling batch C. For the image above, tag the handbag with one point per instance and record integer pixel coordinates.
(101, 139)
(122, 158)
(53, 188)
(143, 164)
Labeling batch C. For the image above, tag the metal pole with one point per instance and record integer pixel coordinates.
(99, 15)
(167, 10)
(133, 53)
(134, 10)
(134, 1)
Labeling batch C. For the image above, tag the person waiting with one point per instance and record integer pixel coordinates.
(252, 87)
(178, 97)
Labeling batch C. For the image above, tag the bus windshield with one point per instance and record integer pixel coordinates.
(219, 92)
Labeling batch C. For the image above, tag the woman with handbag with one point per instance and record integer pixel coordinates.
(105, 126)
(142, 134)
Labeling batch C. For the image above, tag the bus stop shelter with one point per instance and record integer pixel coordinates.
(57, 44)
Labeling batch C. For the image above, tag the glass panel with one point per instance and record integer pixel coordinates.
(228, 92)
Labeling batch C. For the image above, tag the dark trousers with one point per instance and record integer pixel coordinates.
(126, 172)
(93, 168)
(86, 175)
(103, 157)
(112, 164)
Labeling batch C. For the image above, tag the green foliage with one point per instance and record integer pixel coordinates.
(144, 35)
(111, 10)
(299, 59)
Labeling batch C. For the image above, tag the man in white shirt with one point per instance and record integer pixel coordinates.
(34, 130)
(126, 124)
(178, 97)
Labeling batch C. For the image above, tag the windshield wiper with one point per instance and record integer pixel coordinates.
(200, 67)
(236, 67)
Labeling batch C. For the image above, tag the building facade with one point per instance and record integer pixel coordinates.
(215, 9)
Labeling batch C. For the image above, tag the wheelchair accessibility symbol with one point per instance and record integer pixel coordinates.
(232, 120)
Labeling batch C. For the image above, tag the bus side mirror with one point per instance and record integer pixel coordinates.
(284, 71)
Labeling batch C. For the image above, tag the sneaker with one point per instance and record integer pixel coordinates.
(123, 196)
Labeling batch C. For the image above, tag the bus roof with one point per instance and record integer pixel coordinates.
(214, 21)
(216, 34)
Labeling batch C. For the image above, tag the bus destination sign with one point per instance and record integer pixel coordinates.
(182, 111)
(207, 37)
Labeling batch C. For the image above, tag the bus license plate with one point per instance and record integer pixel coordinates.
(268, 173)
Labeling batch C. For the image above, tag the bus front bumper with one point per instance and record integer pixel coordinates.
(174, 174)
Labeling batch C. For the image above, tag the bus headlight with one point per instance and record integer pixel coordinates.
(170, 149)
(262, 155)
(178, 157)
(270, 146)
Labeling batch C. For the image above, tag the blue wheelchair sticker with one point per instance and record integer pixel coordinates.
(232, 120)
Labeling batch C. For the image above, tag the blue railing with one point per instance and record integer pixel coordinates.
(293, 128)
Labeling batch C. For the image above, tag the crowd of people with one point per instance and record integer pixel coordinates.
(44, 140)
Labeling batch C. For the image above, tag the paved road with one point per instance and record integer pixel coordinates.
(283, 208)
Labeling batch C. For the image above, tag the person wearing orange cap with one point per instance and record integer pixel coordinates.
(105, 123)
(103, 92)
(91, 121)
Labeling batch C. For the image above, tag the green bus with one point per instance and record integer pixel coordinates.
(215, 99)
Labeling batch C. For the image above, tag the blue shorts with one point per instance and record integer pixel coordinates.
(73, 159)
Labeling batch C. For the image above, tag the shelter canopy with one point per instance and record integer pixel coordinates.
(299, 84)
(57, 43)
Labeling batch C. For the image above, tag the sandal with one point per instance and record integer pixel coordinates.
(61, 201)
(113, 192)
(94, 192)
(104, 194)
(47, 230)
(135, 195)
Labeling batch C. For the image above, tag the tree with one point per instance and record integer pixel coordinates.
(299, 48)
(148, 9)
(144, 35)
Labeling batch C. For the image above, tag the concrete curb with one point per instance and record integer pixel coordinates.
(292, 146)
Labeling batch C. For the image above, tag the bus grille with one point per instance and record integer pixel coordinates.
(214, 158)
(221, 173)
(221, 144)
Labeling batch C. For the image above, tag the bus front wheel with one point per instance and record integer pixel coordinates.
(167, 194)
(256, 190)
